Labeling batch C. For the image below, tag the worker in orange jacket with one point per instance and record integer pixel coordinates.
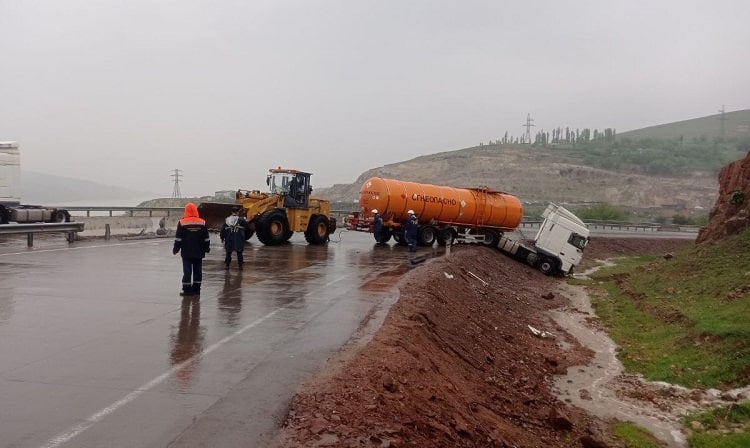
(193, 241)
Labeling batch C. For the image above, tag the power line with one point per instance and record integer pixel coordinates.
(176, 190)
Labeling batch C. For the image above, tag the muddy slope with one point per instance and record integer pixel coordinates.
(456, 364)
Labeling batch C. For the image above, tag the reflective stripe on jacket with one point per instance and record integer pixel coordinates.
(191, 238)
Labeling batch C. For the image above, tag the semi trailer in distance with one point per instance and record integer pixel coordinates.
(11, 208)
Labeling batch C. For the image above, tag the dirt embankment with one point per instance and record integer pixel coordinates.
(456, 364)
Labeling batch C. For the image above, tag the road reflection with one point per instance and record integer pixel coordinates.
(7, 290)
(187, 342)
(230, 299)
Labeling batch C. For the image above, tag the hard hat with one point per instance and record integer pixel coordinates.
(236, 208)
(411, 212)
(374, 211)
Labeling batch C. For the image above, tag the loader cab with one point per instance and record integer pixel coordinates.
(293, 185)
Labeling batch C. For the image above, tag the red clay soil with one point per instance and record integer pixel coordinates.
(730, 214)
(455, 363)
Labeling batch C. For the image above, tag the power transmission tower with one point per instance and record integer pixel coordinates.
(723, 119)
(528, 126)
(176, 190)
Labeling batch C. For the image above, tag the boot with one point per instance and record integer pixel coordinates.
(187, 290)
(196, 289)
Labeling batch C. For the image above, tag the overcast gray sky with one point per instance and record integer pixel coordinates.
(124, 92)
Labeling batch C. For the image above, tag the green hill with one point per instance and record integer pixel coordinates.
(736, 125)
(670, 167)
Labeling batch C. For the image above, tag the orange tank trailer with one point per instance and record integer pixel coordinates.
(471, 207)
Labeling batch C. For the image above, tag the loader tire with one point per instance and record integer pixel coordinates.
(317, 230)
(272, 228)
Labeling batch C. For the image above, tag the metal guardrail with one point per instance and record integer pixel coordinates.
(148, 211)
(341, 214)
(128, 211)
(70, 228)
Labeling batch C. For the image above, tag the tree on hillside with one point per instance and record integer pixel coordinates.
(609, 134)
(584, 136)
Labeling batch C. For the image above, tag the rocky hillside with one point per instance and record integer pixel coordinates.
(731, 213)
(537, 174)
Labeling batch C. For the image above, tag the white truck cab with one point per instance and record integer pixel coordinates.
(11, 208)
(562, 236)
(10, 174)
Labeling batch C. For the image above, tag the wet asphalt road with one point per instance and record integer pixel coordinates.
(98, 349)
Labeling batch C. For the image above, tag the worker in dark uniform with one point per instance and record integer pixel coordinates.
(233, 235)
(377, 226)
(193, 242)
(410, 231)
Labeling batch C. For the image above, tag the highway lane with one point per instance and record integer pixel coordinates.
(98, 349)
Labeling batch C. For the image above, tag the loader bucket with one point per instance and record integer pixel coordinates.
(215, 213)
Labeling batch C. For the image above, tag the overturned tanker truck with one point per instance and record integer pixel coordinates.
(448, 214)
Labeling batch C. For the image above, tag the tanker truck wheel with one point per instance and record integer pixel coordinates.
(4, 215)
(444, 236)
(317, 230)
(491, 237)
(384, 237)
(272, 228)
(400, 238)
(426, 236)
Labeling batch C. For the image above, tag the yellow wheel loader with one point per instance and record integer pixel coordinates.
(274, 216)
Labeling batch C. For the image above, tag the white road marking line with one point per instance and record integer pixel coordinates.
(90, 421)
(59, 249)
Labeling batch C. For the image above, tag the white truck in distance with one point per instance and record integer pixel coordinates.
(11, 209)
